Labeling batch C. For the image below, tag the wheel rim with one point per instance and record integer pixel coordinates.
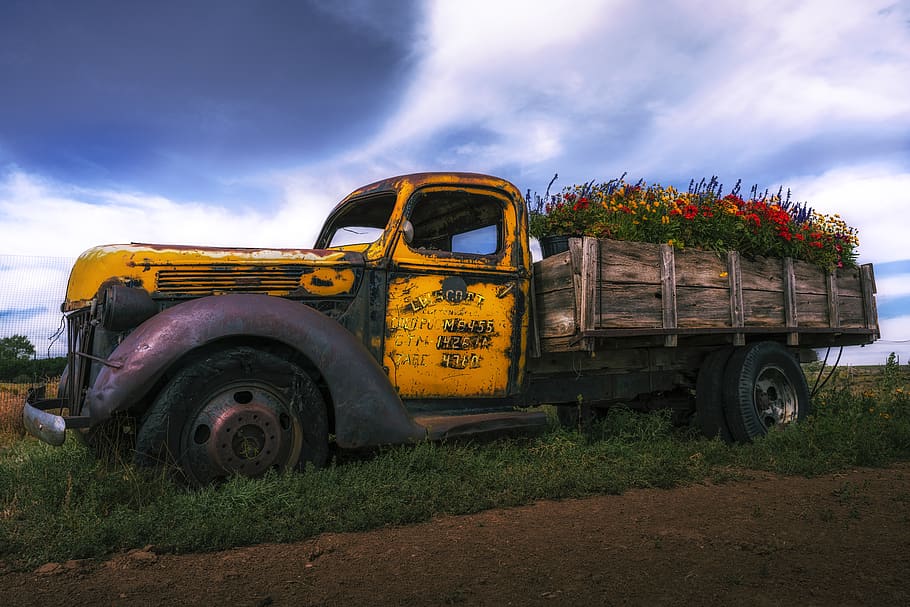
(775, 398)
(241, 429)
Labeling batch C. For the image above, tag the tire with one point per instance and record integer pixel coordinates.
(764, 388)
(709, 396)
(237, 411)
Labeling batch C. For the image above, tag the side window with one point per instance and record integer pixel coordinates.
(481, 241)
(456, 221)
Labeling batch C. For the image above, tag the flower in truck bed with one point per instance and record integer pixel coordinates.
(761, 225)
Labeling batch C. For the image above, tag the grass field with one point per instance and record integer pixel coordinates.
(59, 503)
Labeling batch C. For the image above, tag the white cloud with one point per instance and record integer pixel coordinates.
(41, 217)
(892, 286)
(688, 87)
(875, 199)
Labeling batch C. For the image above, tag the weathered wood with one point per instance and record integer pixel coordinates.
(702, 307)
(761, 273)
(696, 268)
(628, 262)
(790, 316)
(851, 312)
(833, 304)
(668, 291)
(810, 278)
(553, 273)
(556, 313)
(604, 289)
(737, 314)
(629, 305)
(867, 278)
(589, 266)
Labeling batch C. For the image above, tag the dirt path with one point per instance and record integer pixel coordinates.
(841, 539)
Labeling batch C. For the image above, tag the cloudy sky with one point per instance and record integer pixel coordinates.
(242, 122)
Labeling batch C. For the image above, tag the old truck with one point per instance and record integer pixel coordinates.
(420, 315)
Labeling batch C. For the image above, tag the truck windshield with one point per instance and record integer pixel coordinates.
(360, 221)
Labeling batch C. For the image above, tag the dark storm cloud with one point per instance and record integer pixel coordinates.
(135, 89)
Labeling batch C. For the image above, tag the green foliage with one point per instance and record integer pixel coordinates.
(16, 347)
(18, 362)
(59, 504)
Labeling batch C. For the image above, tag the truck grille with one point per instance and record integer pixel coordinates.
(196, 281)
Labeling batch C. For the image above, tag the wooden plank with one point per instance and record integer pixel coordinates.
(763, 309)
(833, 303)
(668, 291)
(628, 305)
(556, 313)
(848, 281)
(589, 269)
(737, 315)
(851, 312)
(790, 316)
(701, 269)
(534, 326)
(867, 279)
(809, 278)
(575, 255)
(553, 273)
(813, 310)
(761, 274)
(629, 262)
(702, 307)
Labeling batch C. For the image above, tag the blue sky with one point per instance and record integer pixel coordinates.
(242, 123)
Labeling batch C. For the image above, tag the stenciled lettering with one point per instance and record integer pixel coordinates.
(460, 361)
(463, 342)
(460, 325)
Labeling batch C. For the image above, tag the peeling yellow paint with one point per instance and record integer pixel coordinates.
(446, 341)
(138, 265)
(328, 281)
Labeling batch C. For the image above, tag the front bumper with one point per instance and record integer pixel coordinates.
(49, 427)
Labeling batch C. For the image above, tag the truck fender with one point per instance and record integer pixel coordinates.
(368, 410)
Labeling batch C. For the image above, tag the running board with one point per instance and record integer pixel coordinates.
(456, 426)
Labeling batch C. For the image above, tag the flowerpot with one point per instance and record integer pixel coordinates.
(551, 245)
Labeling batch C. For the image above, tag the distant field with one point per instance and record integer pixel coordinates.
(11, 398)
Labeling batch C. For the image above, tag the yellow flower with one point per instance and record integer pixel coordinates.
(723, 274)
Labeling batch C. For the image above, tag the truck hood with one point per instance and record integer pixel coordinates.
(177, 271)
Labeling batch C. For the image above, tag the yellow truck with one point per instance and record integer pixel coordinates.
(418, 315)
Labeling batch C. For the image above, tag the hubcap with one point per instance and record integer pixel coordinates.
(775, 398)
(241, 430)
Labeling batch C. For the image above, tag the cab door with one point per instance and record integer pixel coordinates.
(456, 314)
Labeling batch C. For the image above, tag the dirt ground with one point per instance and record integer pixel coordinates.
(840, 539)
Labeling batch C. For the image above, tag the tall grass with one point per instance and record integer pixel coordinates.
(58, 504)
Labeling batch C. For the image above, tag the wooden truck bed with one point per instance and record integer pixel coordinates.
(606, 289)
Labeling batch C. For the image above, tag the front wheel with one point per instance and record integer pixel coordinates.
(237, 411)
(764, 388)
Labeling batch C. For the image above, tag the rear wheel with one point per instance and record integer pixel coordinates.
(238, 411)
(764, 388)
(709, 398)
